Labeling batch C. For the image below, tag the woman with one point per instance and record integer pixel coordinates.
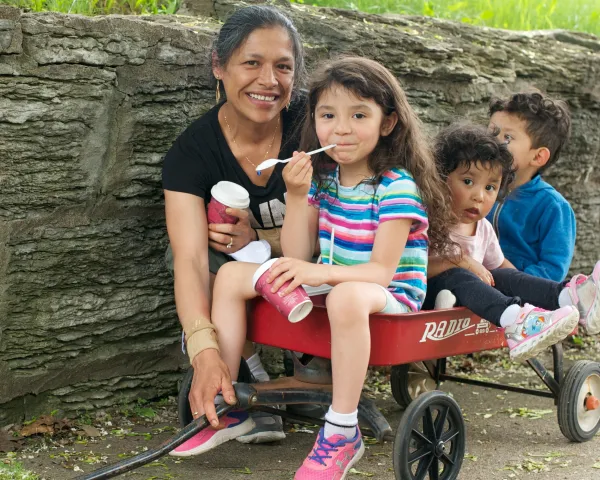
(258, 59)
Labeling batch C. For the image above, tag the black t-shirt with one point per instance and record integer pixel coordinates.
(201, 157)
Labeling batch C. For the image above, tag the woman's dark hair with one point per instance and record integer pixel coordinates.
(244, 21)
(405, 147)
(464, 145)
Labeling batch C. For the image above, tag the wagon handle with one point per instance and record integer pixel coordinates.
(246, 396)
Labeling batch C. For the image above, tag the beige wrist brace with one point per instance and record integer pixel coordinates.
(200, 337)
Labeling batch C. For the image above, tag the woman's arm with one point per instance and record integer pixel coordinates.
(188, 234)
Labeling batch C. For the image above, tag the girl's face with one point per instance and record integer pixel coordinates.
(353, 123)
(259, 75)
(474, 191)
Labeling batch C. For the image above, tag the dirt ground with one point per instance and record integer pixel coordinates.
(509, 436)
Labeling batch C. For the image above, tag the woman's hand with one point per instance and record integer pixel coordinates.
(298, 271)
(479, 270)
(297, 175)
(237, 235)
(211, 376)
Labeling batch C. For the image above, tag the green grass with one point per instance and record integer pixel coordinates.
(98, 7)
(579, 15)
(13, 470)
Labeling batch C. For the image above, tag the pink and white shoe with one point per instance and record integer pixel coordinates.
(235, 424)
(585, 294)
(537, 329)
(331, 458)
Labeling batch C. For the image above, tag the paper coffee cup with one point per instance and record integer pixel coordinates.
(295, 306)
(226, 195)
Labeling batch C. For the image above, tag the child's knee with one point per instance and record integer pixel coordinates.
(235, 276)
(346, 303)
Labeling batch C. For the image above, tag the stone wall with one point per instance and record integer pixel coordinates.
(89, 106)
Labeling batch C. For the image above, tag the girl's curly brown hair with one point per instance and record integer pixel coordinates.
(405, 147)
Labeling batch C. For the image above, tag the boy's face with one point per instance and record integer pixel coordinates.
(513, 132)
(474, 191)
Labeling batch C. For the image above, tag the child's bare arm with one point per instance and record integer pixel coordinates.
(507, 264)
(437, 266)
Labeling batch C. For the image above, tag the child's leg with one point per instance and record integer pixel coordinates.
(540, 292)
(233, 288)
(582, 292)
(528, 329)
(470, 292)
(348, 307)
(339, 444)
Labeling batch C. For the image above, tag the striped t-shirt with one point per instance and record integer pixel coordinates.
(356, 212)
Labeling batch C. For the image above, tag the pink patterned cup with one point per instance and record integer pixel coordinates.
(295, 306)
(226, 195)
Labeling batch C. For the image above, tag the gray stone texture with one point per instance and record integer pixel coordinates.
(88, 108)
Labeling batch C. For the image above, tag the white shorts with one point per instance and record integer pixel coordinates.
(393, 306)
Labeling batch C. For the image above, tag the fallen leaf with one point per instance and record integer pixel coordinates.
(8, 443)
(46, 424)
(354, 471)
(245, 471)
(90, 431)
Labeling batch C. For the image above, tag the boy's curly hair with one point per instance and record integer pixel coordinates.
(548, 121)
(462, 145)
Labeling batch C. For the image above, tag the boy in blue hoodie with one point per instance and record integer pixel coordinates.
(534, 223)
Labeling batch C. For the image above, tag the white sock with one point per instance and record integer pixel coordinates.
(509, 316)
(257, 369)
(564, 299)
(341, 423)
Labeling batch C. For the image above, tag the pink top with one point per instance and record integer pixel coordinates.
(483, 246)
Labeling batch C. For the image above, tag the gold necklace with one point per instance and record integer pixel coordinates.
(238, 147)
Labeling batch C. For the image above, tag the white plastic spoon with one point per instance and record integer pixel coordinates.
(274, 161)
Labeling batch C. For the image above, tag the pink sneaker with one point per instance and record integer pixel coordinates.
(585, 294)
(331, 458)
(235, 424)
(537, 329)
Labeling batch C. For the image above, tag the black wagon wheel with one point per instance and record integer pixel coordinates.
(183, 402)
(410, 380)
(579, 402)
(430, 440)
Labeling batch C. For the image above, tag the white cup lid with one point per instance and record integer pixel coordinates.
(231, 194)
(262, 269)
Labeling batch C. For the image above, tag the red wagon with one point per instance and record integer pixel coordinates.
(430, 440)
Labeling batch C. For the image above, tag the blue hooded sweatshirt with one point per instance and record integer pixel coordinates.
(536, 229)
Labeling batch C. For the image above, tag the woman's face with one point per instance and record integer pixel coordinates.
(259, 76)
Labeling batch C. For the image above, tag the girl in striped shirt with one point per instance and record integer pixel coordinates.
(376, 204)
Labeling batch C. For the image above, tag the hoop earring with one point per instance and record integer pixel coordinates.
(218, 92)
(287, 107)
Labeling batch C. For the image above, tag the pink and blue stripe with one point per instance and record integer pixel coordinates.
(356, 212)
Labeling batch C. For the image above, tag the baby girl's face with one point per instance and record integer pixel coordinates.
(474, 190)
